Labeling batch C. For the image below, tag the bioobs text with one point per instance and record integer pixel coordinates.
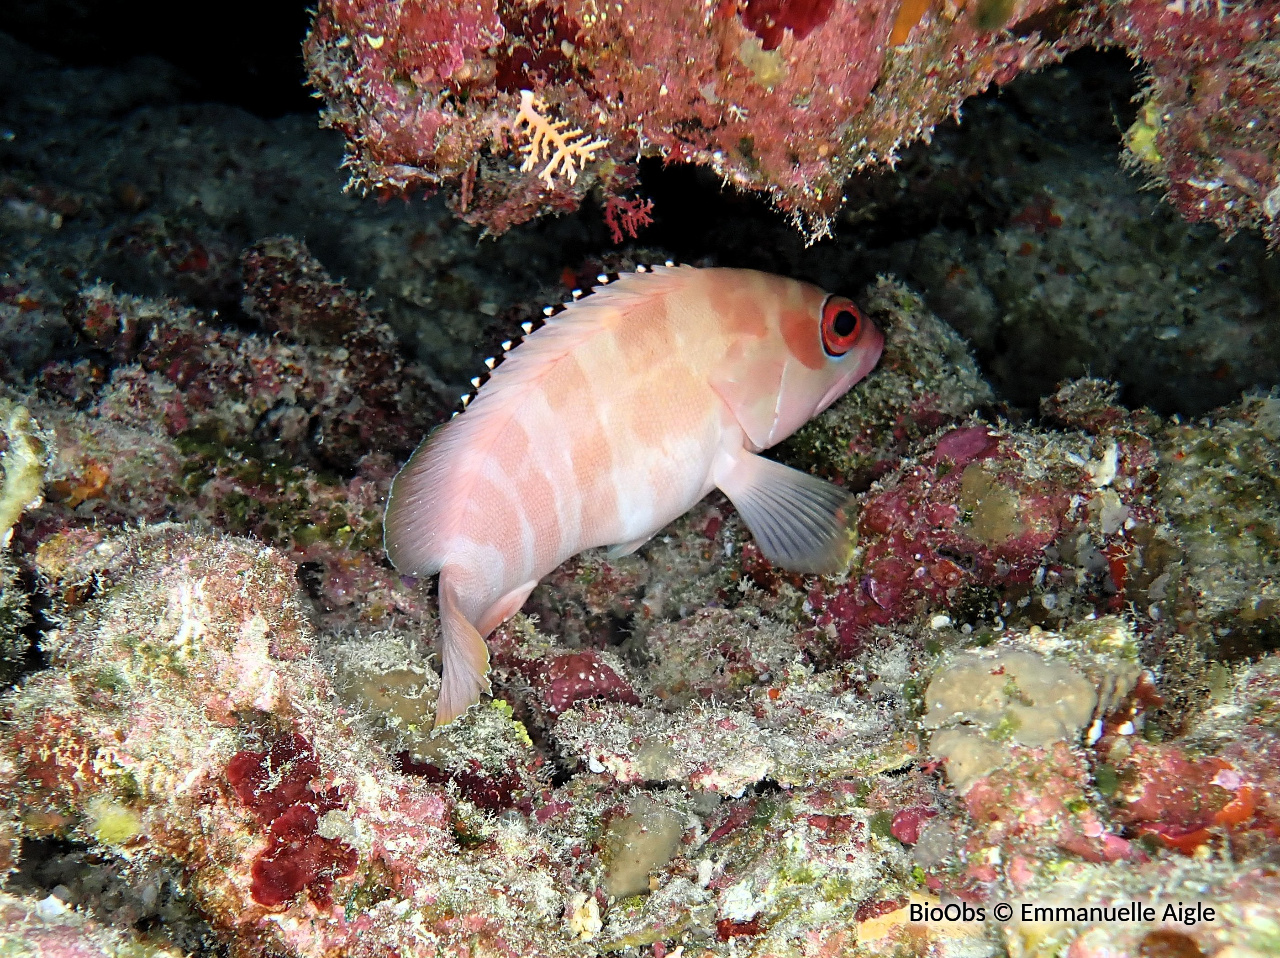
(951, 911)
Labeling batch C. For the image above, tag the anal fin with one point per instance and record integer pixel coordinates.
(800, 522)
(463, 656)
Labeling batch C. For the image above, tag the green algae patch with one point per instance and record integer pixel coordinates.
(504, 709)
(643, 840)
(993, 508)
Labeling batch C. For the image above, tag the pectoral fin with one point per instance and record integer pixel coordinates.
(504, 608)
(800, 522)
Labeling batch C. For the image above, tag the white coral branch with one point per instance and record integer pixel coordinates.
(565, 150)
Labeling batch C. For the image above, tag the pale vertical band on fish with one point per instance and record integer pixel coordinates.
(612, 420)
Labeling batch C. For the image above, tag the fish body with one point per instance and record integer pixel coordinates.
(612, 420)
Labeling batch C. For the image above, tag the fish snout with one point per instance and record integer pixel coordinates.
(864, 357)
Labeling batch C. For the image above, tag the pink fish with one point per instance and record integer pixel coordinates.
(612, 420)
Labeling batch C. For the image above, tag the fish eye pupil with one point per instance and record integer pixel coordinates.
(845, 323)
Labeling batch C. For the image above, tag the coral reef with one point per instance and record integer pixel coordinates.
(789, 98)
(27, 456)
(991, 525)
(1050, 677)
(292, 402)
(784, 97)
(1218, 475)
(270, 435)
(198, 651)
(1243, 918)
(112, 176)
(15, 619)
(687, 747)
(983, 702)
(25, 460)
(1207, 128)
(49, 929)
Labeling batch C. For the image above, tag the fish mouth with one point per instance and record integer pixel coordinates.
(868, 356)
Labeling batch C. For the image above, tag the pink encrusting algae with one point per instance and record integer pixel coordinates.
(782, 96)
(790, 97)
(611, 421)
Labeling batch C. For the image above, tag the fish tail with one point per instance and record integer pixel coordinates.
(463, 655)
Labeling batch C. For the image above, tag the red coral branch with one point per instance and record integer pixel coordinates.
(627, 216)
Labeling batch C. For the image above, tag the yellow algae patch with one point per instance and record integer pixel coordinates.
(24, 464)
(768, 68)
(1140, 138)
(984, 701)
(112, 823)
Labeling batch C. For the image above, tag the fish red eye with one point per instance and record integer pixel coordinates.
(841, 325)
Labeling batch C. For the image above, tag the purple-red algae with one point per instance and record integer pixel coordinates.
(493, 793)
(193, 648)
(275, 785)
(978, 512)
(192, 419)
(771, 20)
(784, 96)
(571, 677)
(1052, 785)
(907, 823)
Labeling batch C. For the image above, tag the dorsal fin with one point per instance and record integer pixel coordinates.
(428, 496)
(517, 334)
(579, 319)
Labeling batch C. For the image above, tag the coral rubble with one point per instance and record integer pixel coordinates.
(49, 929)
(1208, 126)
(189, 706)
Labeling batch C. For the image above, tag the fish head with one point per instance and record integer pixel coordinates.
(791, 350)
(827, 346)
(851, 345)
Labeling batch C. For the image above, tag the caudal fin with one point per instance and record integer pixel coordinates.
(464, 657)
